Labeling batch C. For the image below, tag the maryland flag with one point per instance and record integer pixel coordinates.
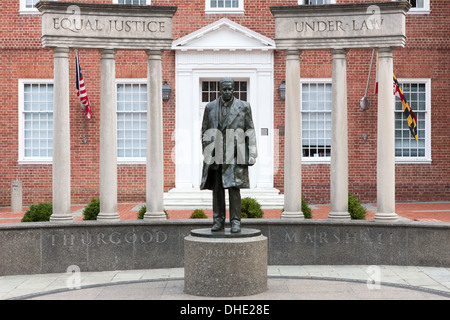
(407, 111)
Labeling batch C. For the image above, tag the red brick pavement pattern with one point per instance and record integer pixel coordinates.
(413, 211)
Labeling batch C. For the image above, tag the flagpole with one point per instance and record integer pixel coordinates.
(364, 103)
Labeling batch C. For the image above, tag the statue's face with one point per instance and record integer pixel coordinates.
(227, 91)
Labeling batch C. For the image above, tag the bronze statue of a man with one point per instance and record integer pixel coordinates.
(229, 147)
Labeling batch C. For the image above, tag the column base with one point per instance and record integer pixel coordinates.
(386, 217)
(108, 217)
(292, 215)
(155, 216)
(339, 216)
(61, 217)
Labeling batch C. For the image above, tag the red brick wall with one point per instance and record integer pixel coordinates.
(425, 56)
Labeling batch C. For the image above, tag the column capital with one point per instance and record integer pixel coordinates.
(61, 52)
(385, 52)
(108, 53)
(154, 54)
(292, 52)
(339, 53)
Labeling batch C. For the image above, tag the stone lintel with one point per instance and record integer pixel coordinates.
(96, 26)
(341, 26)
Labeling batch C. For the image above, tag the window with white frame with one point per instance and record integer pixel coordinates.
(407, 149)
(35, 120)
(316, 1)
(135, 2)
(29, 6)
(224, 6)
(316, 119)
(419, 6)
(211, 91)
(131, 119)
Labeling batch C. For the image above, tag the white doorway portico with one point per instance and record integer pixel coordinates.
(222, 49)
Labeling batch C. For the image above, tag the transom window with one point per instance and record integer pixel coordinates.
(416, 93)
(417, 3)
(36, 120)
(224, 6)
(131, 120)
(29, 6)
(135, 2)
(419, 6)
(30, 3)
(211, 90)
(316, 120)
(316, 1)
(224, 3)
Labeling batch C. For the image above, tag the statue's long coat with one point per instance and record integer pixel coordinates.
(235, 167)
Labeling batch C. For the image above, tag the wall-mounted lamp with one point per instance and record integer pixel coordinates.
(282, 90)
(166, 91)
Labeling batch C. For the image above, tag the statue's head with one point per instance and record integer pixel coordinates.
(227, 88)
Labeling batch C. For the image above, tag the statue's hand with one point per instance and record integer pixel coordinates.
(251, 161)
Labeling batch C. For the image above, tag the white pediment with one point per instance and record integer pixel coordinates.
(224, 34)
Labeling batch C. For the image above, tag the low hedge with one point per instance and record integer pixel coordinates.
(40, 212)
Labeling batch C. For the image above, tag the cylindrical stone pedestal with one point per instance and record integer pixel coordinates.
(225, 264)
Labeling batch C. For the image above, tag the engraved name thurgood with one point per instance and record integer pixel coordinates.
(111, 238)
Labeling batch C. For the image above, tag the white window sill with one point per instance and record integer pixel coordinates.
(131, 161)
(224, 11)
(36, 161)
(412, 161)
(418, 11)
(318, 160)
(29, 11)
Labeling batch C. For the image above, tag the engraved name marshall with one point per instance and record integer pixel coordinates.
(346, 237)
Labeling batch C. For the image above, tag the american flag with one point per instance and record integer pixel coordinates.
(81, 89)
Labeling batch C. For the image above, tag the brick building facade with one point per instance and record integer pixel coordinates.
(201, 31)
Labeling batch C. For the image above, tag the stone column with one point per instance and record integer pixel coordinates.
(293, 139)
(155, 165)
(61, 137)
(339, 139)
(386, 136)
(108, 138)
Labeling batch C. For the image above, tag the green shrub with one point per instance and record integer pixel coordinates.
(143, 210)
(40, 212)
(306, 209)
(356, 210)
(92, 210)
(198, 214)
(250, 208)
